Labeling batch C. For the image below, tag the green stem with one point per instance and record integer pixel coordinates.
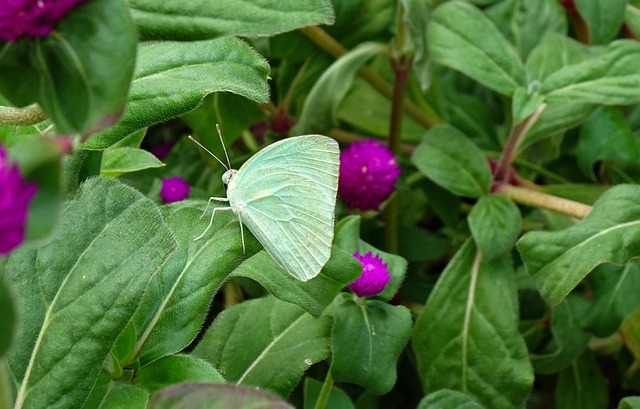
(541, 200)
(29, 115)
(335, 49)
(325, 392)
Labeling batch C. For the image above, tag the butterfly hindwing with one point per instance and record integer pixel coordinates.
(285, 194)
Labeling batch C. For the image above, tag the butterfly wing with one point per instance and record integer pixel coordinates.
(286, 194)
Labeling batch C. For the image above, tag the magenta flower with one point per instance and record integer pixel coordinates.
(368, 173)
(31, 18)
(15, 196)
(374, 276)
(174, 189)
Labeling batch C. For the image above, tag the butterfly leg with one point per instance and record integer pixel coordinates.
(242, 236)
(211, 199)
(220, 199)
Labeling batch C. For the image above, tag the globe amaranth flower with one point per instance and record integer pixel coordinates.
(174, 189)
(374, 276)
(31, 18)
(368, 172)
(15, 196)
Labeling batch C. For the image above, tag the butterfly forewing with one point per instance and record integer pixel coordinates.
(286, 194)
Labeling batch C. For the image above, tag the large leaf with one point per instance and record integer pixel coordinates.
(77, 292)
(209, 396)
(450, 159)
(582, 385)
(79, 74)
(603, 18)
(172, 78)
(609, 78)
(467, 338)
(174, 19)
(321, 105)
(186, 284)
(463, 38)
(367, 339)
(558, 261)
(266, 343)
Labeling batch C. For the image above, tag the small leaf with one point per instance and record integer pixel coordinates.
(125, 396)
(447, 398)
(463, 38)
(451, 160)
(632, 402)
(338, 399)
(367, 339)
(174, 19)
(321, 105)
(524, 104)
(603, 18)
(79, 74)
(467, 338)
(117, 161)
(214, 396)
(172, 78)
(558, 261)
(582, 385)
(265, 343)
(175, 369)
(79, 290)
(495, 224)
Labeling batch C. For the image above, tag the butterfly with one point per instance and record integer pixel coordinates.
(286, 195)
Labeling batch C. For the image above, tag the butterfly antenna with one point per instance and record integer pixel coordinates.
(224, 148)
(211, 153)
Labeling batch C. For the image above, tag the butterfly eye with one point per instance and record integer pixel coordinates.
(227, 176)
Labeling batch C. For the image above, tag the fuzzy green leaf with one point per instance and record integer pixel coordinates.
(214, 396)
(175, 369)
(117, 161)
(558, 261)
(467, 338)
(495, 224)
(447, 398)
(603, 18)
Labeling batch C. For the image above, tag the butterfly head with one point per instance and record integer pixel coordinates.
(227, 176)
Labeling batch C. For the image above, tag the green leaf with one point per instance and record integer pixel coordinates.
(447, 398)
(125, 396)
(467, 338)
(615, 297)
(174, 19)
(314, 295)
(265, 343)
(495, 223)
(608, 79)
(80, 74)
(558, 261)
(451, 160)
(178, 299)
(321, 105)
(77, 292)
(603, 18)
(367, 339)
(555, 51)
(632, 402)
(175, 369)
(524, 104)
(212, 396)
(8, 313)
(463, 38)
(606, 136)
(117, 161)
(582, 385)
(569, 339)
(338, 399)
(172, 78)
(632, 18)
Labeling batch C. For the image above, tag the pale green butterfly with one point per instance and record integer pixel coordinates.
(286, 195)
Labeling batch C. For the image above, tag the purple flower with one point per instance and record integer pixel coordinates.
(368, 172)
(374, 276)
(174, 189)
(15, 196)
(32, 18)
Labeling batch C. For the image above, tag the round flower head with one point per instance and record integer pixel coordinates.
(174, 189)
(374, 276)
(32, 18)
(15, 196)
(368, 172)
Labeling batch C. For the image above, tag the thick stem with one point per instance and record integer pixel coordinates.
(325, 392)
(544, 201)
(335, 49)
(29, 115)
